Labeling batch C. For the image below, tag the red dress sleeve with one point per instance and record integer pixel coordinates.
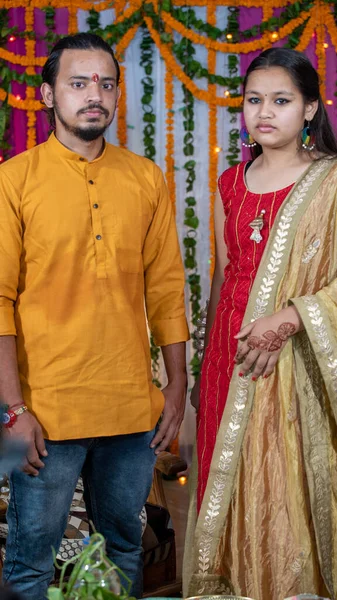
(227, 184)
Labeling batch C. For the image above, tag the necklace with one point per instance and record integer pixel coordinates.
(256, 225)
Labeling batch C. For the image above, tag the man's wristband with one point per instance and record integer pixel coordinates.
(9, 416)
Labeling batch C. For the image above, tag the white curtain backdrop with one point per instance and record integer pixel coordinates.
(134, 74)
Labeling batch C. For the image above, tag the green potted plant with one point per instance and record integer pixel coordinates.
(93, 575)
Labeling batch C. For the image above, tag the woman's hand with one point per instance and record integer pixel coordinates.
(261, 342)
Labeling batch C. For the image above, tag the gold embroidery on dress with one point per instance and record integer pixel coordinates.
(319, 462)
(297, 566)
(322, 337)
(220, 481)
(281, 238)
(262, 301)
(310, 252)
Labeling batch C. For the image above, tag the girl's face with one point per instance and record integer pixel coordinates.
(274, 108)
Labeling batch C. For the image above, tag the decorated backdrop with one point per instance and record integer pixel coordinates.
(182, 63)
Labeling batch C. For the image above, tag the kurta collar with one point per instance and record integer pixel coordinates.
(62, 151)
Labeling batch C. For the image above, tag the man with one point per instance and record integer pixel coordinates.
(87, 238)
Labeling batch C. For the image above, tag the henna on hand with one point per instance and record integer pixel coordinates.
(271, 341)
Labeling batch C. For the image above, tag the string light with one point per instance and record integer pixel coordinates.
(274, 36)
(182, 480)
(18, 97)
(1, 159)
(227, 93)
(217, 149)
(12, 38)
(229, 36)
(325, 45)
(329, 102)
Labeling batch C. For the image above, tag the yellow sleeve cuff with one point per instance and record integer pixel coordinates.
(170, 331)
(7, 323)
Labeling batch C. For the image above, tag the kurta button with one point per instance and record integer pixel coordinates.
(95, 205)
(91, 181)
(98, 237)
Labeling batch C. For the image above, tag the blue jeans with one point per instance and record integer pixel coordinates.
(117, 475)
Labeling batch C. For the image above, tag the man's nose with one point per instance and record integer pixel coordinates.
(94, 92)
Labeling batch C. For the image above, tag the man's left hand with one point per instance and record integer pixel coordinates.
(173, 414)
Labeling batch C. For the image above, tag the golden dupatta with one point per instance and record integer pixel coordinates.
(267, 527)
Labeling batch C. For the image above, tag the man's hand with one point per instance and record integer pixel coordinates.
(173, 414)
(262, 341)
(27, 429)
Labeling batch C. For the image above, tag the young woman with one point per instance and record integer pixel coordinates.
(263, 520)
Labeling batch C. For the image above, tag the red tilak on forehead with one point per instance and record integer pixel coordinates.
(95, 77)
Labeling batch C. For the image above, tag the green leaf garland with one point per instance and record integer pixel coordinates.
(149, 122)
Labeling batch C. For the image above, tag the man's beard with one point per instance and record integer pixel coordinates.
(86, 134)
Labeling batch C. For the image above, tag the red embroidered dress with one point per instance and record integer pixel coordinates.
(241, 207)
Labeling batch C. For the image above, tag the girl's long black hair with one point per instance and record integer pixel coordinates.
(305, 78)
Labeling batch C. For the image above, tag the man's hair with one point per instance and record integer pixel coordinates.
(79, 41)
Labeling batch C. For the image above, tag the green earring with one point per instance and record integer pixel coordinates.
(308, 139)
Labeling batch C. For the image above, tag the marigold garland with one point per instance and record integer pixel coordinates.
(125, 41)
(307, 33)
(169, 158)
(320, 51)
(72, 19)
(179, 73)
(84, 5)
(330, 24)
(122, 133)
(267, 11)
(243, 3)
(30, 91)
(212, 142)
(239, 48)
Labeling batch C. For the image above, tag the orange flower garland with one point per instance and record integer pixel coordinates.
(242, 47)
(125, 41)
(267, 11)
(320, 52)
(72, 19)
(307, 33)
(244, 3)
(179, 73)
(169, 158)
(212, 142)
(330, 24)
(30, 91)
(122, 133)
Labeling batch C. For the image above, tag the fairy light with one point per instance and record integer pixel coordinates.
(325, 45)
(18, 97)
(1, 159)
(274, 36)
(227, 94)
(12, 38)
(229, 36)
(182, 480)
(329, 102)
(217, 149)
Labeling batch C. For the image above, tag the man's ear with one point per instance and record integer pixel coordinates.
(47, 95)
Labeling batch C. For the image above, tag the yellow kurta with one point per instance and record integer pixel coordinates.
(87, 250)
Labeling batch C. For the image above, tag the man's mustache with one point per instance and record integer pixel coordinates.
(92, 107)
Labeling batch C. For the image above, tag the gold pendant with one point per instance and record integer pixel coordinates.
(256, 226)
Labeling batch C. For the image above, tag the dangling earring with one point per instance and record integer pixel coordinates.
(247, 140)
(308, 140)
